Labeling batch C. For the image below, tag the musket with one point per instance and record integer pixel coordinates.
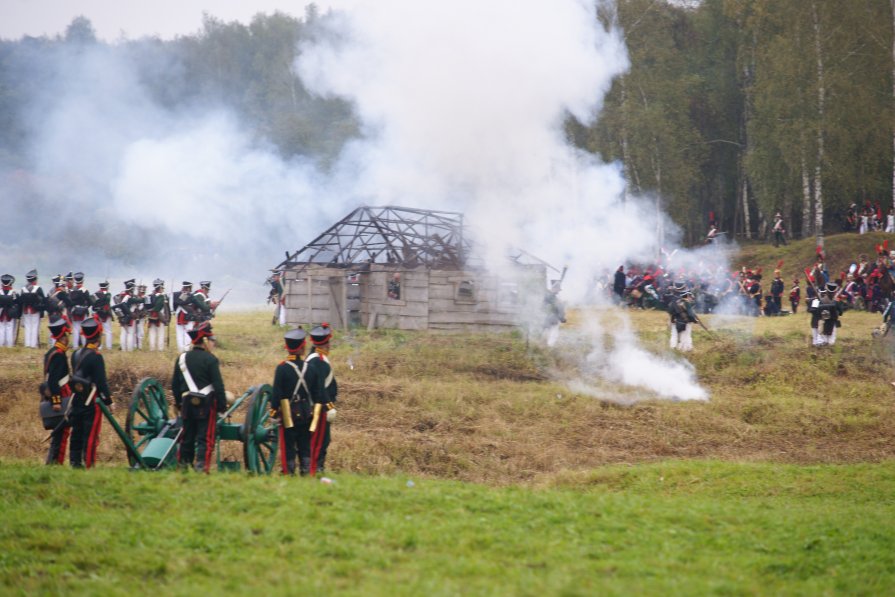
(221, 300)
(710, 332)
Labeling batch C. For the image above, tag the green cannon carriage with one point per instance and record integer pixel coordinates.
(150, 434)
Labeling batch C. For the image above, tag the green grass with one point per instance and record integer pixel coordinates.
(699, 527)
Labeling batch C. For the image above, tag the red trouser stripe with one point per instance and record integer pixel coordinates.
(284, 465)
(60, 458)
(93, 438)
(209, 438)
(317, 443)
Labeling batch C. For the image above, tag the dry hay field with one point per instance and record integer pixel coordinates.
(498, 409)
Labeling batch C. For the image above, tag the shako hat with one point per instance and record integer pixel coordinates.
(130, 283)
(295, 339)
(187, 284)
(8, 279)
(205, 284)
(158, 282)
(91, 328)
(58, 326)
(831, 287)
(321, 334)
(32, 275)
(104, 284)
(203, 330)
(79, 277)
(69, 276)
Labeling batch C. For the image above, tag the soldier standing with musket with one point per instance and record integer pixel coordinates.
(125, 304)
(203, 308)
(101, 303)
(9, 311)
(324, 409)
(183, 311)
(56, 389)
(277, 295)
(78, 308)
(140, 311)
(89, 384)
(158, 315)
(199, 395)
(682, 319)
(31, 297)
(296, 389)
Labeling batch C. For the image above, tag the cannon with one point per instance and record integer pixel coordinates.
(150, 434)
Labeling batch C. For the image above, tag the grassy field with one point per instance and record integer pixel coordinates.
(524, 481)
(673, 528)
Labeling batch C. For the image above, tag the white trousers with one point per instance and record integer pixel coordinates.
(8, 332)
(183, 339)
(107, 335)
(128, 338)
(31, 322)
(77, 340)
(282, 314)
(157, 335)
(821, 339)
(682, 341)
(140, 331)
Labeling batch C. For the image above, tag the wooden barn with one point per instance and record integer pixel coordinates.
(410, 269)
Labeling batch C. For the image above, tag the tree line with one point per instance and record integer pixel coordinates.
(731, 109)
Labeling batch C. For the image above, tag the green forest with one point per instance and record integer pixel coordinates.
(735, 108)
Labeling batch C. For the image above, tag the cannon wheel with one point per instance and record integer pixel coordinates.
(147, 414)
(261, 433)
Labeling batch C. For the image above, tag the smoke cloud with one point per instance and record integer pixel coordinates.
(463, 106)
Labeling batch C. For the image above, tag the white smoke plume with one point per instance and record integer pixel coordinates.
(463, 105)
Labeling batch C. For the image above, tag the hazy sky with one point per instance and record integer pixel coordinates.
(131, 18)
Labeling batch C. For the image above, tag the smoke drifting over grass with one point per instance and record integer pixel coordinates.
(463, 106)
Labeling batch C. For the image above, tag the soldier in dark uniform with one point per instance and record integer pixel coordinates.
(777, 288)
(89, 384)
(101, 303)
(125, 304)
(199, 395)
(277, 296)
(825, 312)
(203, 308)
(31, 297)
(682, 319)
(56, 388)
(324, 408)
(183, 311)
(78, 308)
(56, 302)
(158, 315)
(9, 311)
(294, 390)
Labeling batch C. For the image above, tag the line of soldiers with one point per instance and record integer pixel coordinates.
(305, 392)
(139, 314)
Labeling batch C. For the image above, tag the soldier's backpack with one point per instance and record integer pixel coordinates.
(301, 405)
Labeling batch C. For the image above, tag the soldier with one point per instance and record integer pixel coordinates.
(158, 315)
(101, 302)
(125, 301)
(89, 384)
(78, 308)
(294, 391)
(825, 312)
(795, 295)
(140, 312)
(31, 297)
(202, 307)
(324, 408)
(554, 313)
(682, 319)
(183, 310)
(198, 396)
(776, 295)
(779, 230)
(56, 302)
(9, 311)
(278, 297)
(56, 389)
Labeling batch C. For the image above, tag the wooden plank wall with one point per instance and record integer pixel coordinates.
(429, 299)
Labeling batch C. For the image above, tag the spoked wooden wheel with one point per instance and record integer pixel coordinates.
(147, 414)
(261, 433)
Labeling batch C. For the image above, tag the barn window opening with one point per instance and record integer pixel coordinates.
(466, 291)
(394, 287)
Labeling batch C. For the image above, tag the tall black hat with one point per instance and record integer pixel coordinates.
(295, 339)
(187, 284)
(321, 334)
(104, 284)
(158, 282)
(203, 330)
(205, 284)
(130, 283)
(91, 328)
(69, 276)
(58, 327)
(79, 277)
(32, 275)
(8, 279)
